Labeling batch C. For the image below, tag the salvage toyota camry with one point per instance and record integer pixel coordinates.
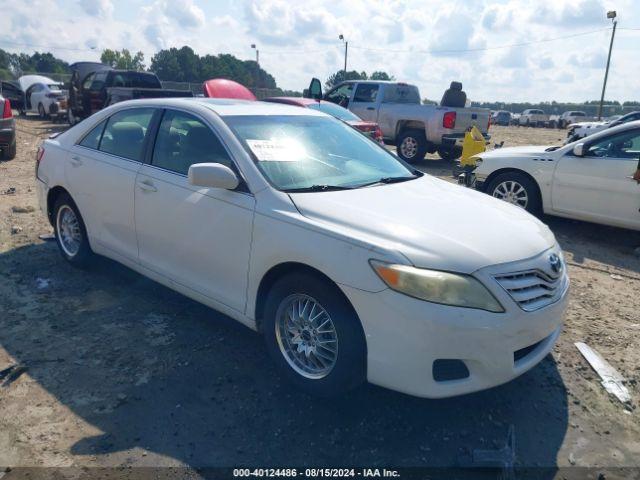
(352, 264)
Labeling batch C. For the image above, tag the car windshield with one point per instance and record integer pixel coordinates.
(335, 111)
(315, 153)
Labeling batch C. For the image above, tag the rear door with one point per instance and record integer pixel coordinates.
(599, 186)
(101, 169)
(198, 237)
(365, 101)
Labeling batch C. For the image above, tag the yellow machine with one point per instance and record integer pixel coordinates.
(473, 144)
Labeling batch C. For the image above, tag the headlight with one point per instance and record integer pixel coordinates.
(436, 286)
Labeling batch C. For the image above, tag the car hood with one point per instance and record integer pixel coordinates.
(532, 150)
(433, 223)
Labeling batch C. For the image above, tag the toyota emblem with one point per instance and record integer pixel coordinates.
(555, 263)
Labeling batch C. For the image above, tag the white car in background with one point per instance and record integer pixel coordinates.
(43, 96)
(572, 116)
(580, 130)
(298, 226)
(591, 179)
(532, 117)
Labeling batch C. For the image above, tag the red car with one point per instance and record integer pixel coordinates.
(369, 128)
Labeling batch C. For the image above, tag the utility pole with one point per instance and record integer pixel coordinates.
(612, 16)
(346, 48)
(254, 46)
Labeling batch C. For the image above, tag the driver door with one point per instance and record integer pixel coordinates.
(341, 95)
(599, 186)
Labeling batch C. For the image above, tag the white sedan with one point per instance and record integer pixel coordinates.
(345, 258)
(591, 179)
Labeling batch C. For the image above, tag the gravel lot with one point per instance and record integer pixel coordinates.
(121, 371)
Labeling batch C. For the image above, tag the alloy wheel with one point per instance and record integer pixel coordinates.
(512, 192)
(68, 229)
(306, 336)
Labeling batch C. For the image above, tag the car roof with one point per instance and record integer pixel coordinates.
(226, 106)
(609, 131)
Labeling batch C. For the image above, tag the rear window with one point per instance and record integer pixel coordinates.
(134, 80)
(401, 94)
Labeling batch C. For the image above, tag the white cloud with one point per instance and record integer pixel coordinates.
(185, 12)
(97, 8)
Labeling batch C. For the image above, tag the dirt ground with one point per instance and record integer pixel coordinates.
(119, 371)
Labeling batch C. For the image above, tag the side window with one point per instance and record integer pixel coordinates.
(92, 139)
(622, 145)
(125, 133)
(341, 95)
(366, 92)
(184, 140)
(87, 81)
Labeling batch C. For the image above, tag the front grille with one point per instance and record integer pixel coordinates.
(533, 289)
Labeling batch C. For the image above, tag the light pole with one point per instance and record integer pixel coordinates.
(346, 48)
(255, 47)
(612, 16)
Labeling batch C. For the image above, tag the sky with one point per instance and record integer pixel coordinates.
(425, 42)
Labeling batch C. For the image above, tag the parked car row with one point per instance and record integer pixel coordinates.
(580, 130)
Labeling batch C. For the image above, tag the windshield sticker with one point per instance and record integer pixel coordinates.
(277, 150)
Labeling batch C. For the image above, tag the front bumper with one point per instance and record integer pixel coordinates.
(405, 336)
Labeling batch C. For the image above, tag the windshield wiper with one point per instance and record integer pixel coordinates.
(388, 180)
(317, 188)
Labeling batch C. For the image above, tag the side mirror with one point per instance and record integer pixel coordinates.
(315, 89)
(578, 150)
(213, 175)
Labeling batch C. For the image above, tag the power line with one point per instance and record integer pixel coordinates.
(48, 47)
(482, 49)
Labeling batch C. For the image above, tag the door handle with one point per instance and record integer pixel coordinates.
(147, 186)
(76, 161)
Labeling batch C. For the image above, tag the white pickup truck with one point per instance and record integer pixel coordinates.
(412, 127)
(533, 117)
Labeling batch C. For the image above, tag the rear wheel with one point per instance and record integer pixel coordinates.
(518, 189)
(314, 336)
(412, 145)
(70, 232)
(41, 111)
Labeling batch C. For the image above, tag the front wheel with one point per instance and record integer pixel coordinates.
(518, 189)
(70, 232)
(314, 336)
(412, 145)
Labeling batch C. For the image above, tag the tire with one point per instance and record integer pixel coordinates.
(507, 182)
(339, 372)
(81, 254)
(412, 145)
(9, 153)
(450, 154)
(41, 112)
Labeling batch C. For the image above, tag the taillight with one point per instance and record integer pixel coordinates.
(6, 112)
(449, 120)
